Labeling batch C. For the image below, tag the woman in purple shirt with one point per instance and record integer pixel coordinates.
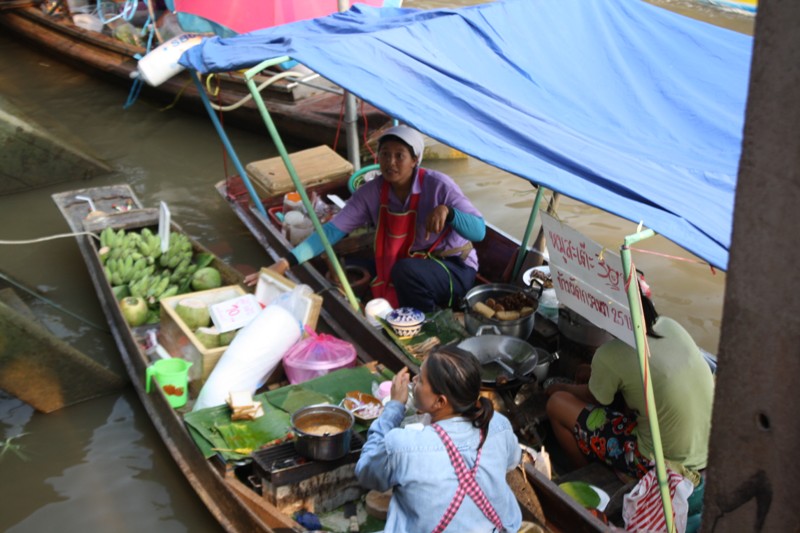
(424, 228)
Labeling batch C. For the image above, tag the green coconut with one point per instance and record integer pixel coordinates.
(193, 312)
(227, 337)
(134, 310)
(206, 278)
(208, 337)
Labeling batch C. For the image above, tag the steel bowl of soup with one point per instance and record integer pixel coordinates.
(322, 432)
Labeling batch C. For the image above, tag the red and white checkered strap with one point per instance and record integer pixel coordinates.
(466, 485)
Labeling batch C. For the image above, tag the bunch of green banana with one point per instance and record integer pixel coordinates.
(121, 271)
(153, 288)
(150, 245)
(180, 248)
(185, 269)
(111, 238)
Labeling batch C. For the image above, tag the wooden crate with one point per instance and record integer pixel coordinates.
(181, 342)
(314, 166)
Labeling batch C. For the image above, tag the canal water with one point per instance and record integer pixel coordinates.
(99, 465)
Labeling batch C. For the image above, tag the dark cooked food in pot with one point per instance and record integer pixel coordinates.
(508, 307)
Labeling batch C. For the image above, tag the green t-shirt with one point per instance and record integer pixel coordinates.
(683, 388)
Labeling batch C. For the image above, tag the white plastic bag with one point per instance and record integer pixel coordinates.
(643, 511)
(252, 356)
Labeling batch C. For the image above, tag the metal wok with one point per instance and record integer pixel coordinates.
(516, 353)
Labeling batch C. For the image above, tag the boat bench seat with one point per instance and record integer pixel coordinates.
(315, 166)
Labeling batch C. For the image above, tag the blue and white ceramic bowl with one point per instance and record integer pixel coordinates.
(406, 321)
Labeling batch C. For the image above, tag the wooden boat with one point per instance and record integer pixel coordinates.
(235, 505)
(35, 365)
(221, 486)
(306, 114)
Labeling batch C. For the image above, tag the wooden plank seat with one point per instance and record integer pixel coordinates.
(603, 477)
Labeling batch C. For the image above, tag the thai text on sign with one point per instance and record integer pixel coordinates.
(588, 279)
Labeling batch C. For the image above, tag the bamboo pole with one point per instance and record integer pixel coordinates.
(539, 243)
(635, 303)
(276, 138)
(523, 246)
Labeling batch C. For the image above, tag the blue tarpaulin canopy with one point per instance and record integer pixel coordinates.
(616, 103)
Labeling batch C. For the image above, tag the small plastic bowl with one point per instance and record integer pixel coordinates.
(406, 321)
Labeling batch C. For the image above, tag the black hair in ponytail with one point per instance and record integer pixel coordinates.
(456, 374)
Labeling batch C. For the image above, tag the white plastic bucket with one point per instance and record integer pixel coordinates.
(162, 63)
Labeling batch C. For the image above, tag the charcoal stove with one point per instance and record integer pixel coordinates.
(292, 482)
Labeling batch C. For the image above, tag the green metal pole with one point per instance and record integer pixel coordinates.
(276, 138)
(523, 246)
(635, 303)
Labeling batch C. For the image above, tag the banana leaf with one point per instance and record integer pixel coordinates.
(333, 386)
(214, 432)
(441, 324)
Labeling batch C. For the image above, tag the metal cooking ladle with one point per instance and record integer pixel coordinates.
(502, 364)
(521, 372)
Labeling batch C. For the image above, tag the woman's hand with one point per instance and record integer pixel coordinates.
(400, 386)
(437, 220)
(251, 279)
(280, 266)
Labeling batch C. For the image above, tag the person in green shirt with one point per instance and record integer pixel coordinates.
(588, 427)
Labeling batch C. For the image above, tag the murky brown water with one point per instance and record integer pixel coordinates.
(100, 466)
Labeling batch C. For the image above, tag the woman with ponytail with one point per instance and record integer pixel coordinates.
(449, 475)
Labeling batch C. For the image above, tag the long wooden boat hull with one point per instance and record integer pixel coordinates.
(561, 511)
(307, 116)
(219, 490)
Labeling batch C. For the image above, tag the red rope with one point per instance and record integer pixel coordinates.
(221, 117)
(677, 258)
(366, 131)
(339, 124)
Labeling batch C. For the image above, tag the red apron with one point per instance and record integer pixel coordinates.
(394, 237)
(467, 486)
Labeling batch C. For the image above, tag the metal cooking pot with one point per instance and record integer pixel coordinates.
(542, 367)
(514, 352)
(521, 327)
(322, 432)
(579, 330)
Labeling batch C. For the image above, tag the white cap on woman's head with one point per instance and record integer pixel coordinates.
(410, 136)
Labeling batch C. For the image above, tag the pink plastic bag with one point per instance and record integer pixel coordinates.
(316, 355)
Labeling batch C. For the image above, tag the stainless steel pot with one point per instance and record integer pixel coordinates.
(322, 432)
(577, 329)
(514, 352)
(542, 367)
(520, 328)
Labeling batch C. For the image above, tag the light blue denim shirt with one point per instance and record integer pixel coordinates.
(415, 464)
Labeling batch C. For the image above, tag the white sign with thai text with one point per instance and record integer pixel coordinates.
(588, 279)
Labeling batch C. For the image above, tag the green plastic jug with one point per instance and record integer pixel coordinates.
(172, 375)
